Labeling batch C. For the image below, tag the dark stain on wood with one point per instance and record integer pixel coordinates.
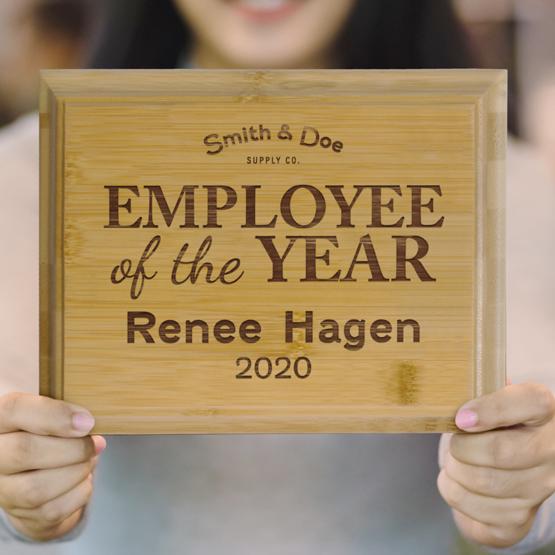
(404, 383)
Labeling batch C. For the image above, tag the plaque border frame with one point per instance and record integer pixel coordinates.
(486, 89)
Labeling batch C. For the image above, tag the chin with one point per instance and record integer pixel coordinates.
(256, 57)
(266, 63)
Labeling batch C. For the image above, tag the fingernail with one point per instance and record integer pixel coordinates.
(99, 444)
(82, 421)
(466, 418)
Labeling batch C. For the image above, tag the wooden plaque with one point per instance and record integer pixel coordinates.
(272, 251)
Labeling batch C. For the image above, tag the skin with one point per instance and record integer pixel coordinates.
(302, 39)
(493, 485)
(496, 476)
(46, 464)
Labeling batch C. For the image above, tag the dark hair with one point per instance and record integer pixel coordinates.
(71, 18)
(378, 34)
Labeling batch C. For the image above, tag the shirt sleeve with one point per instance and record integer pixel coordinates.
(9, 534)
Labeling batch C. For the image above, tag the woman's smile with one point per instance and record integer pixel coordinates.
(265, 33)
(265, 11)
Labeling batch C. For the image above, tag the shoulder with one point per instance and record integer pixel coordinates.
(525, 163)
(19, 157)
(19, 142)
(530, 271)
(19, 211)
(530, 198)
(530, 190)
(21, 134)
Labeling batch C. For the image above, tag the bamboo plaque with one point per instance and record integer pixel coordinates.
(240, 251)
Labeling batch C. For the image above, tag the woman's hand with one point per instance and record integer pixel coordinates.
(46, 463)
(496, 477)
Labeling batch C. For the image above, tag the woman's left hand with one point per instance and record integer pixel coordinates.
(496, 477)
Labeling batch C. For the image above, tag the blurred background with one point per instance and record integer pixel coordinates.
(519, 35)
(37, 34)
(513, 34)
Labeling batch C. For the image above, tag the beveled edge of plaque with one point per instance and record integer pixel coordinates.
(485, 88)
(50, 243)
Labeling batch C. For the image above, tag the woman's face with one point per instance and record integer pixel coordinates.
(265, 33)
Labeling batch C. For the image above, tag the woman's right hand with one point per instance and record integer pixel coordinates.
(46, 463)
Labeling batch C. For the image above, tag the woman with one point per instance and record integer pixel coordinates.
(272, 493)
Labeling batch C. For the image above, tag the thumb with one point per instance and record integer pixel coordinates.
(530, 404)
(42, 415)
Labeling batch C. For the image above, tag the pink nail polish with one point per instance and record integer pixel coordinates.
(466, 419)
(82, 421)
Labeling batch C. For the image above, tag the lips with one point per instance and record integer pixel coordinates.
(265, 10)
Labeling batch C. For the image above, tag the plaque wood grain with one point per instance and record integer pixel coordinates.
(101, 129)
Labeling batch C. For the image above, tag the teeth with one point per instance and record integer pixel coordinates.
(264, 4)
